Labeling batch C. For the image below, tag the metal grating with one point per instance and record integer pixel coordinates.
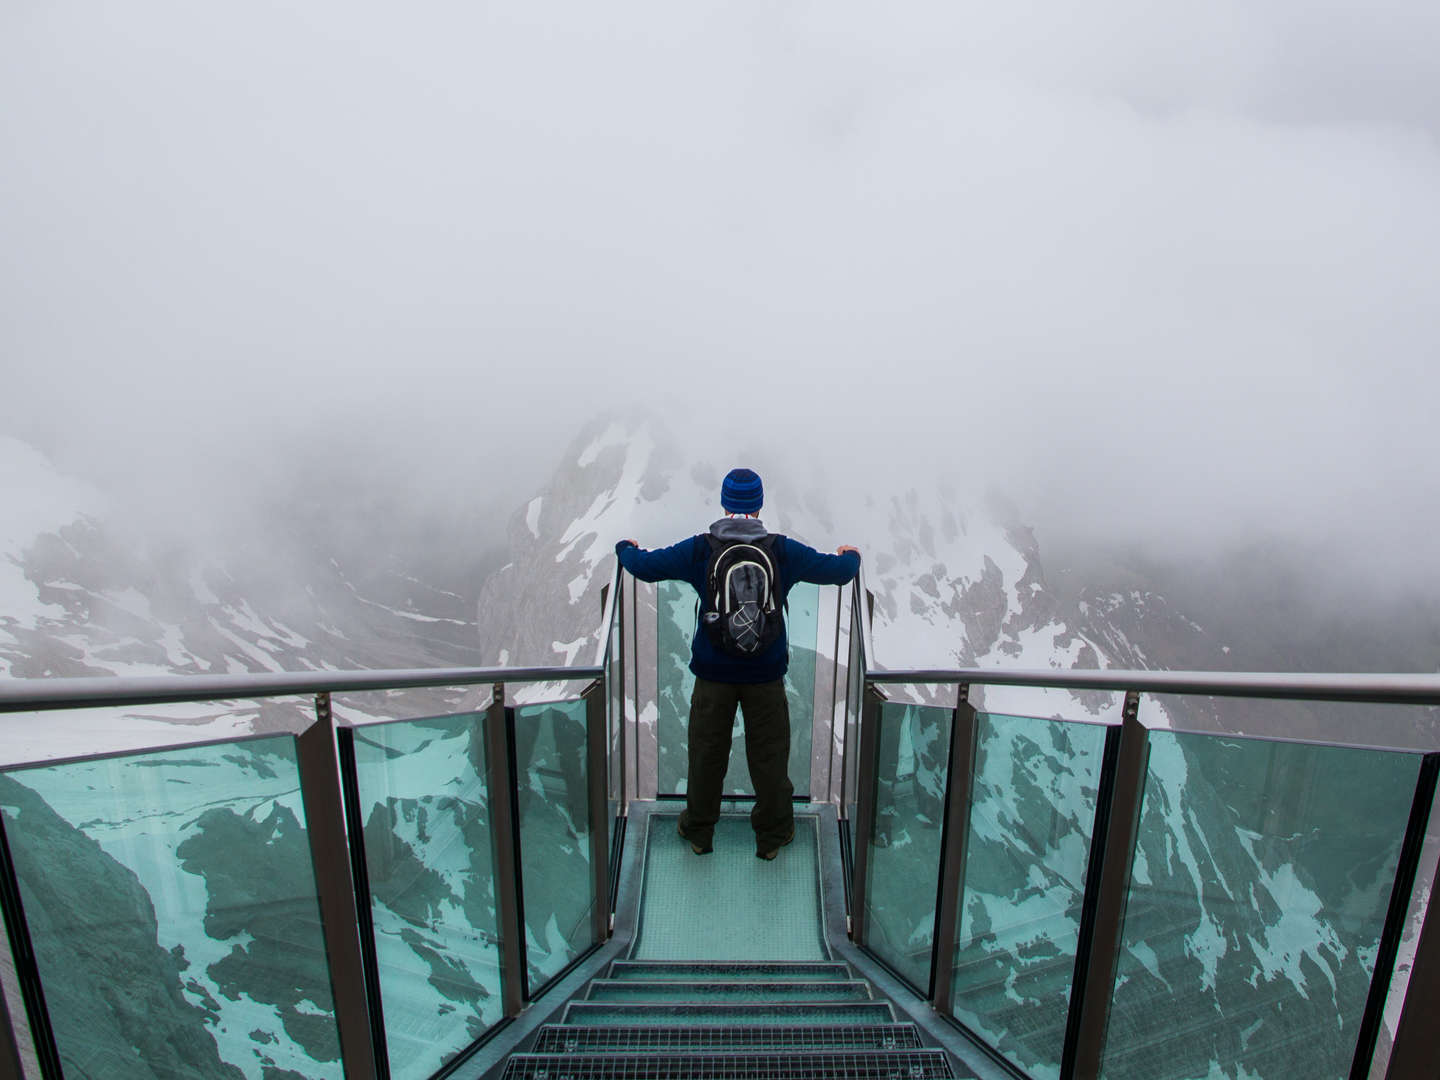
(729, 905)
(674, 992)
(658, 970)
(574, 1039)
(600, 1012)
(838, 1065)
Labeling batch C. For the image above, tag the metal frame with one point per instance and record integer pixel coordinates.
(597, 777)
(320, 791)
(364, 905)
(625, 654)
(10, 1066)
(1107, 888)
(27, 969)
(959, 791)
(1373, 689)
(1400, 891)
(504, 831)
(1416, 1050)
(32, 695)
(635, 663)
(864, 811)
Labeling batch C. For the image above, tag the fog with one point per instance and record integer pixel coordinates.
(1162, 277)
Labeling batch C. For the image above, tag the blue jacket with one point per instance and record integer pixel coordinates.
(687, 560)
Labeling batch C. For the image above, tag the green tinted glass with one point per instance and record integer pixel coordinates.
(170, 897)
(1032, 812)
(424, 799)
(1262, 875)
(854, 702)
(675, 611)
(554, 836)
(912, 767)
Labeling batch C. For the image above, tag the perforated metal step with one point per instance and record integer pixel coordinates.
(701, 992)
(579, 1039)
(602, 1012)
(828, 1065)
(659, 971)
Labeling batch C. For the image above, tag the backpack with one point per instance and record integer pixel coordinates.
(741, 610)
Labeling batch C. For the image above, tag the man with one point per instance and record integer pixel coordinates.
(727, 676)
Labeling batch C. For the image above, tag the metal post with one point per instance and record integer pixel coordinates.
(864, 808)
(597, 778)
(624, 654)
(1405, 873)
(330, 852)
(635, 654)
(508, 914)
(1107, 885)
(27, 973)
(1416, 1051)
(959, 795)
(834, 699)
(10, 1067)
(360, 875)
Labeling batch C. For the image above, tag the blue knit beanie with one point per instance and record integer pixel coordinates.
(742, 492)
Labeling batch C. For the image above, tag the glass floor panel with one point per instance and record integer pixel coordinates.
(729, 905)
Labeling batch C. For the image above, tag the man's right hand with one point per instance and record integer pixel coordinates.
(843, 548)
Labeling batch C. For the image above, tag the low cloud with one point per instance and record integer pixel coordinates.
(1159, 278)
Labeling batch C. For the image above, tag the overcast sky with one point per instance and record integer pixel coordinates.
(1156, 270)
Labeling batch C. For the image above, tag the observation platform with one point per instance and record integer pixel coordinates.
(454, 873)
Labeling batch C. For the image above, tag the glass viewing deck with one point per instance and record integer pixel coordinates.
(488, 882)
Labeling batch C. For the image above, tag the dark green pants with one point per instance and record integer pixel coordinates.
(767, 752)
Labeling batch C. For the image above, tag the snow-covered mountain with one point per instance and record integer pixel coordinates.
(84, 594)
(955, 585)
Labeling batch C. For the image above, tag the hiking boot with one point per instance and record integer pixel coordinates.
(697, 848)
(767, 855)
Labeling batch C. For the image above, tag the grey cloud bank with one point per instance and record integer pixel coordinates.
(1164, 276)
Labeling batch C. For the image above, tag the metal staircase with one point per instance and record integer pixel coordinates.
(728, 1020)
(726, 970)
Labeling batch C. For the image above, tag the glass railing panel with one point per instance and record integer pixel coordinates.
(1032, 813)
(675, 625)
(170, 898)
(675, 613)
(1262, 875)
(802, 629)
(423, 795)
(903, 868)
(551, 789)
(854, 704)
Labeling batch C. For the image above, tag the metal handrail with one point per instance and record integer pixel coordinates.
(31, 695)
(1382, 689)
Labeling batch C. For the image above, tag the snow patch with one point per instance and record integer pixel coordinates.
(577, 587)
(568, 649)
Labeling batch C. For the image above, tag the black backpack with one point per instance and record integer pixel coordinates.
(741, 608)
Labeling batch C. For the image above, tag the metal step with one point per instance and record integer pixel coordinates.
(835, 1064)
(591, 1013)
(758, 992)
(582, 1039)
(667, 970)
